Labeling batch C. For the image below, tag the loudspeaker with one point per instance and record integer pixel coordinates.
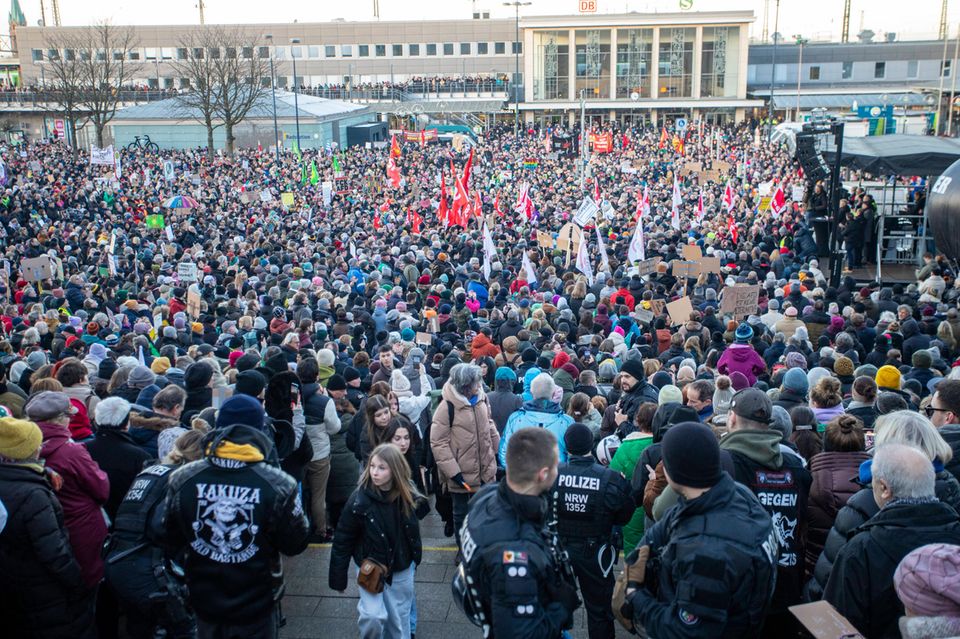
(814, 166)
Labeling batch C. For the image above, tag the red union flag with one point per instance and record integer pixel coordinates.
(778, 202)
(393, 172)
(728, 197)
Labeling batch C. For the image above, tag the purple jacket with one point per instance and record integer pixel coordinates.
(84, 492)
(742, 357)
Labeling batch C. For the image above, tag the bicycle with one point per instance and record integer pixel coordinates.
(143, 142)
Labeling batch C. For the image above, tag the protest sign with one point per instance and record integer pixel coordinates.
(657, 306)
(644, 317)
(685, 268)
(266, 196)
(193, 303)
(326, 188)
(740, 300)
(796, 193)
(691, 167)
(679, 310)
(424, 339)
(709, 176)
(34, 269)
(569, 237)
(691, 252)
(286, 198)
(545, 240)
(586, 213)
(824, 622)
(168, 171)
(709, 265)
(101, 156)
(187, 271)
(648, 266)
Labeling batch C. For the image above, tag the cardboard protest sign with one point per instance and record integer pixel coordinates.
(657, 306)
(709, 176)
(424, 339)
(685, 268)
(721, 166)
(824, 622)
(691, 167)
(586, 213)
(740, 300)
(648, 266)
(286, 198)
(545, 240)
(709, 265)
(679, 310)
(644, 317)
(691, 252)
(569, 237)
(193, 303)
(34, 269)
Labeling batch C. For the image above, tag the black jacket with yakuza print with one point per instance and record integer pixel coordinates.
(233, 513)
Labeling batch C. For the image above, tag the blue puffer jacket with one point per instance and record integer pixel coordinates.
(542, 413)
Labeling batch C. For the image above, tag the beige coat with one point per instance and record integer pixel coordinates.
(469, 445)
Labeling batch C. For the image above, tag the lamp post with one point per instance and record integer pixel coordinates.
(273, 91)
(800, 41)
(516, 4)
(296, 104)
(773, 70)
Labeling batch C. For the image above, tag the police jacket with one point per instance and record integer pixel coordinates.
(507, 552)
(373, 527)
(591, 500)
(782, 485)
(713, 560)
(234, 511)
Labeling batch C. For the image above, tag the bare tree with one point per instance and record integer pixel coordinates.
(197, 69)
(240, 74)
(105, 68)
(64, 79)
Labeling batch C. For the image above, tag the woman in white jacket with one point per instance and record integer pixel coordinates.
(411, 406)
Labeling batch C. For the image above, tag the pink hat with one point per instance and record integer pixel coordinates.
(380, 303)
(928, 581)
(233, 357)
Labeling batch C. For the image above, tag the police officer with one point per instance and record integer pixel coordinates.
(707, 568)
(136, 566)
(590, 500)
(513, 581)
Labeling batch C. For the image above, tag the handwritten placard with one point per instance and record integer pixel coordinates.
(740, 300)
(679, 310)
(648, 266)
(691, 252)
(685, 268)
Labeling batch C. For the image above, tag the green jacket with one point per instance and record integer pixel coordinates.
(625, 460)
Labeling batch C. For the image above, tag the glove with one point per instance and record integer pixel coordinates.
(565, 594)
(458, 479)
(638, 569)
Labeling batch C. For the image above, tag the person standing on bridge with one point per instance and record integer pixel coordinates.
(592, 503)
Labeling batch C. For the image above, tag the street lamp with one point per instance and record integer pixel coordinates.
(800, 41)
(273, 90)
(296, 104)
(516, 4)
(773, 70)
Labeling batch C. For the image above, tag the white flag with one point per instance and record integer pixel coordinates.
(529, 270)
(583, 261)
(604, 262)
(116, 167)
(489, 252)
(638, 247)
(675, 214)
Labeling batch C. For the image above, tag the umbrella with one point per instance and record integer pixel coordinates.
(181, 202)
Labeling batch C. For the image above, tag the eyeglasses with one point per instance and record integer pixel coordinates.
(930, 410)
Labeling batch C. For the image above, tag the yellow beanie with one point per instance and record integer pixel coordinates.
(160, 365)
(19, 438)
(888, 377)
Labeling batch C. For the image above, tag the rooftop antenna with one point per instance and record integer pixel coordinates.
(942, 34)
(845, 29)
(376, 9)
(766, 16)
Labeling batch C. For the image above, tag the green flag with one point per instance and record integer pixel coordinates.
(303, 175)
(296, 150)
(155, 222)
(336, 166)
(314, 175)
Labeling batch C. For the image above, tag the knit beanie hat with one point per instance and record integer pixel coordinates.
(795, 380)
(669, 393)
(922, 359)
(106, 369)
(336, 383)
(505, 373)
(744, 333)
(578, 439)
(141, 377)
(250, 382)
(796, 360)
(197, 375)
(928, 580)
(241, 409)
(843, 366)
(888, 377)
(160, 365)
(19, 438)
(691, 455)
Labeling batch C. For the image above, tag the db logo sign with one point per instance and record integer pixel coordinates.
(588, 6)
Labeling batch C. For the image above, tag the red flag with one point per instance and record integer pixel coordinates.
(728, 198)
(376, 221)
(416, 221)
(778, 202)
(496, 206)
(443, 210)
(700, 206)
(734, 233)
(393, 172)
(461, 200)
(664, 136)
(394, 146)
(596, 190)
(466, 169)
(477, 205)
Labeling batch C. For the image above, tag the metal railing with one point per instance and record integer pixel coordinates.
(31, 97)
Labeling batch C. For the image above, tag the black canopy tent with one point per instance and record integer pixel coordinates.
(904, 155)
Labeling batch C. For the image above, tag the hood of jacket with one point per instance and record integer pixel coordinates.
(237, 443)
(458, 400)
(564, 380)
(542, 406)
(761, 446)
(741, 352)
(910, 328)
(151, 421)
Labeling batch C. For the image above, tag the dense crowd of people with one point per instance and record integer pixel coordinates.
(317, 351)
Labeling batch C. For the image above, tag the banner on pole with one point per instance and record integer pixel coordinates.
(101, 156)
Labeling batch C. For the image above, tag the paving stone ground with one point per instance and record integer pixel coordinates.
(313, 611)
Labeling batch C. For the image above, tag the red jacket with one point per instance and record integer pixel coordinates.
(176, 306)
(84, 492)
(627, 298)
(483, 347)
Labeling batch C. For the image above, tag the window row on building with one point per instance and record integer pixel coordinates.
(309, 52)
(641, 63)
